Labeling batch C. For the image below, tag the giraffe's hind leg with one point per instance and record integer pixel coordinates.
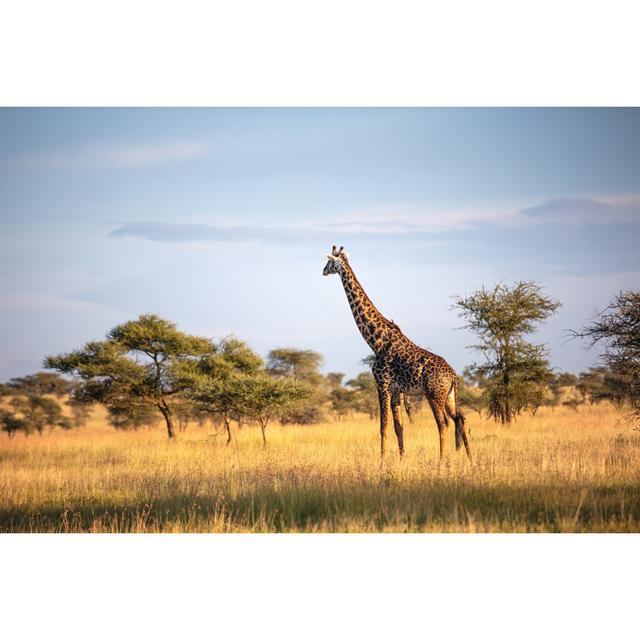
(442, 422)
(462, 432)
(397, 424)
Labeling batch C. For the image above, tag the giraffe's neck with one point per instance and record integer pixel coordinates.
(374, 327)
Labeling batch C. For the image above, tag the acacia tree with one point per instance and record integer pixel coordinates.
(212, 385)
(591, 384)
(472, 396)
(39, 412)
(618, 328)
(32, 410)
(140, 364)
(366, 392)
(342, 399)
(41, 383)
(302, 366)
(132, 417)
(517, 370)
(11, 423)
(557, 384)
(80, 411)
(261, 397)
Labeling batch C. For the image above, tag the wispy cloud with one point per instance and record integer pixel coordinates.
(106, 156)
(189, 232)
(199, 233)
(401, 221)
(406, 219)
(398, 221)
(410, 219)
(623, 208)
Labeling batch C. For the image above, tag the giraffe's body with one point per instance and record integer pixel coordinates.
(400, 366)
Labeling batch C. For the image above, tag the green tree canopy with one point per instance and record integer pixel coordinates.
(366, 393)
(142, 363)
(236, 355)
(565, 379)
(602, 383)
(132, 417)
(302, 365)
(590, 384)
(11, 423)
(517, 370)
(39, 412)
(41, 383)
(214, 384)
(334, 379)
(261, 397)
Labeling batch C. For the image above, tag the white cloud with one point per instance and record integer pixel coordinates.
(405, 219)
(122, 157)
(396, 220)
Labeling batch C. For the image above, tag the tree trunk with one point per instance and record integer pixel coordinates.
(506, 360)
(227, 426)
(166, 414)
(263, 428)
(507, 404)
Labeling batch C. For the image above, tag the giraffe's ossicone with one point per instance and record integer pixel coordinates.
(400, 366)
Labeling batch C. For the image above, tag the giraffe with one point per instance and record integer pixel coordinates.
(399, 365)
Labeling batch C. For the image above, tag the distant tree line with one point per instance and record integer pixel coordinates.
(147, 371)
(35, 404)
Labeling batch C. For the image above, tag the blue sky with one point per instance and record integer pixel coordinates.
(218, 218)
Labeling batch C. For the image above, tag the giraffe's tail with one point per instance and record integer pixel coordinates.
(459, 422)
(457, 415)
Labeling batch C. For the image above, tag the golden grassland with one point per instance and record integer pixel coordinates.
(558, 471)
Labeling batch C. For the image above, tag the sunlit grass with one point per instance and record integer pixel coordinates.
(557, 471)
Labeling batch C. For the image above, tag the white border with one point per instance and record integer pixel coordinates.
(334, 52)
(319, 586)
(319, 53)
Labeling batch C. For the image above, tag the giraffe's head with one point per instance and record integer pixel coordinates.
(335, 261)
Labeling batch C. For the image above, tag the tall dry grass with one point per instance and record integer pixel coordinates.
(557, 471)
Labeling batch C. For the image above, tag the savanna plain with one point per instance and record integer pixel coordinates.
(558, 471)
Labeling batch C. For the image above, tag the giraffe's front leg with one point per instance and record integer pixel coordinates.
(385, 401)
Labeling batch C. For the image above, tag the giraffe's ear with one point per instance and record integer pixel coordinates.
(330, 257)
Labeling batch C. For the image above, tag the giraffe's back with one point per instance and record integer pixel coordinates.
(416, 370)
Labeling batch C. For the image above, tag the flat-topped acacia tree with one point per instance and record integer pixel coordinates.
(142, 363)
(39, 384)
